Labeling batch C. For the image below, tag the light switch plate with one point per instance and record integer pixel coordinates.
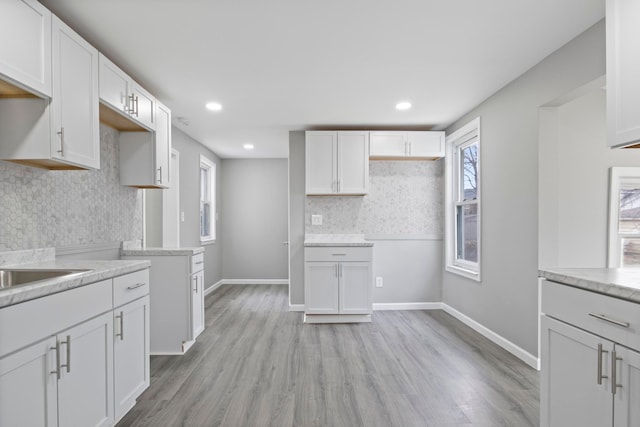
(379, 283)
(316, 219)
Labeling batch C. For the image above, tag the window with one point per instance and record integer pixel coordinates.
(624, 217)
(207, 200)
(463, 201)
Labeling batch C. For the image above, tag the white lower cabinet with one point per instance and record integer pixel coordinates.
(85, 366)
(130, 354)
(176, 298)
(338, 284)
(75, 375)
(28, 386)
(589, 375)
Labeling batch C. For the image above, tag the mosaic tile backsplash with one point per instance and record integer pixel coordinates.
(405, 199)
(41, 208)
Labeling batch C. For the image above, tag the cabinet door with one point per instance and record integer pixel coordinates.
(143, 106)
(569, 391)
(353, 162)
(26, 63)
(114, 84)
(388, 144)
(28, 386)
(197, 304)
(623, 72)
(626, 400)
(75, 125)
(355, 288)
(428, 145)
(321, 295)
(163, 145)
(321, 162)
(85, 390)
(130, 354)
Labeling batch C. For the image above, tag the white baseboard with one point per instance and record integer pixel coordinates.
(213, 287)
(255, 281)
(296, 307)
(407, 306)
(512, 348)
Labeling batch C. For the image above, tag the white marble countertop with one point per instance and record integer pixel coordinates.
(162, 251)
(98, 270)
(621, 283)
(336, 240)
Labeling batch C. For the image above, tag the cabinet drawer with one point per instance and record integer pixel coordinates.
(130, 287)
(197, 263)
(338, 253)
(586, 309)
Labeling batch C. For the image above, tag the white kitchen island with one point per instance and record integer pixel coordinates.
(337, 278)
(590, 347)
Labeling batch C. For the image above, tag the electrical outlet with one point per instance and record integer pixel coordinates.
(316, 219)
(182, 216)
(378, 282)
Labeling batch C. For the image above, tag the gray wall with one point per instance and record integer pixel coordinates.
(42, 208)
(296, 217)
(254, 206)
(506, 300)
(573, 202)
(190, 151)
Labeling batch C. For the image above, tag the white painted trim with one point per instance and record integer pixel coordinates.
(407, 306)
(92, 247)
(296, 307)
(255, 281)
(512, 348)
(213, 287)
(337, 318)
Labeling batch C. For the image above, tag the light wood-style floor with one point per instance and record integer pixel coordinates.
(257, 364)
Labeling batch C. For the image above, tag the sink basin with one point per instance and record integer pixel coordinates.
(15, 277)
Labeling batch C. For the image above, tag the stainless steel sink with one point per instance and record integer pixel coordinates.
(16, 277)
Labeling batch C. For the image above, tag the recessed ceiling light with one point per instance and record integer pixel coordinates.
(248, 146)
(403, 105)
(213, 106)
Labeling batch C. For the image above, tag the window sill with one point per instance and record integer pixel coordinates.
(204, 242)
(469, 274)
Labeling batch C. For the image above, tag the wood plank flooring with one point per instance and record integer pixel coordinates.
(257, 364)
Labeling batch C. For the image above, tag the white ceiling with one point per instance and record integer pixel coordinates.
(284, 65)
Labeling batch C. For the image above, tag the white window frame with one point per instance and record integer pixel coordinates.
(467, 135)
(211, 167)
(618, 176)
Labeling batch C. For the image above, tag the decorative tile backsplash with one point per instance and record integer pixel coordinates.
(405, 198)
(41, 208)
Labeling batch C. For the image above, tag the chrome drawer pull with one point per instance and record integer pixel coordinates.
(339, 254)
(610, 320)
(137, 285)
(68, 344)
(57, 349)
(199, 262)
(600, 351)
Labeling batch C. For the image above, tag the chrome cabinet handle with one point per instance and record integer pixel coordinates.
(614, 372)
(195, 278)
(57, 349)
(137, 285)
(68, 344)
(61, 133)
(160, 169)
(130, 102)
(600, 351)
(121, 334)
(339, 254)
(610, 320)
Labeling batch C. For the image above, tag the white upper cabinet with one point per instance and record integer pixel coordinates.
(75, 123)
(145, 156)
(64, 132)
(399, 145)
(623, 72)
(123, 95)
(336, 162)
(26, 64)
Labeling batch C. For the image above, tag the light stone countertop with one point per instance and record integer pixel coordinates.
(162, 251)
(621, 283)
(311, 240)
(99, 270)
